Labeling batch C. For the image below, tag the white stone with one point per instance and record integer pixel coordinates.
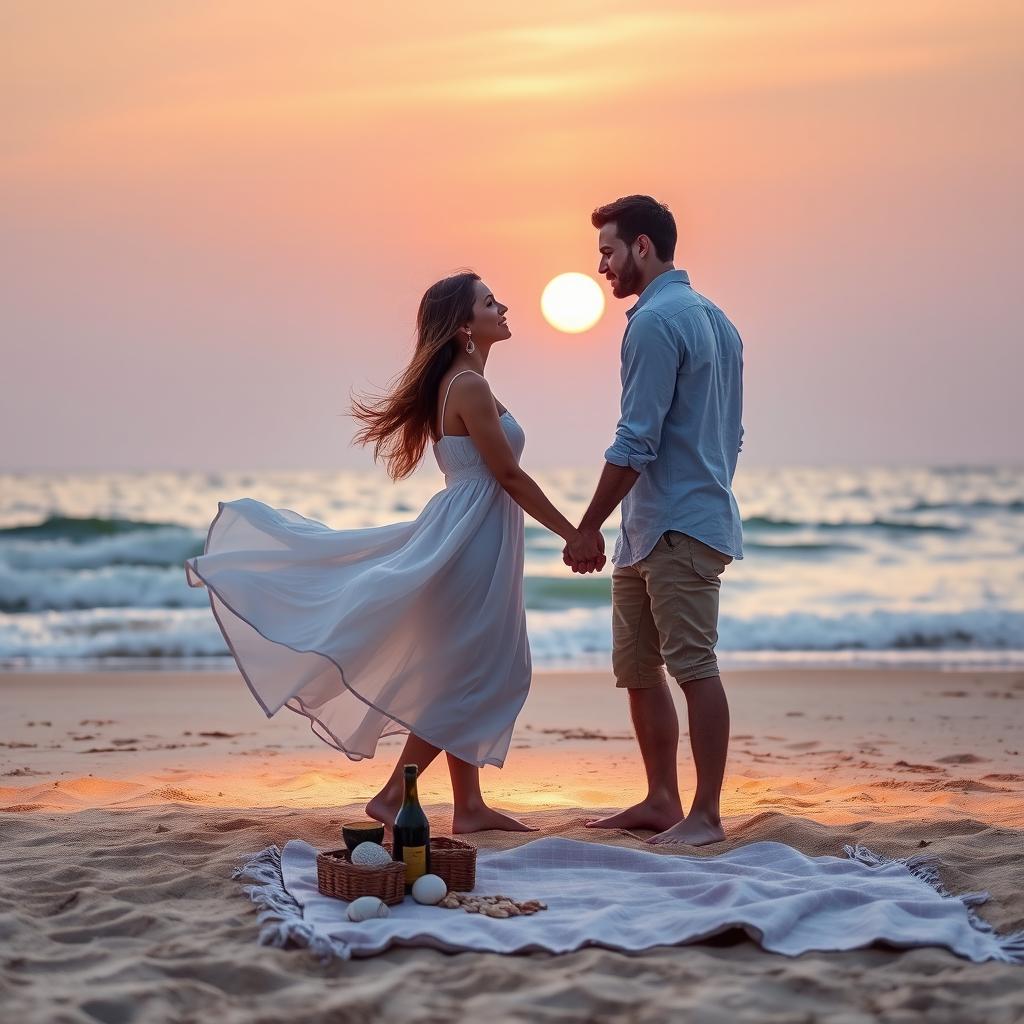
(429, 889)
(370, 855)
(366, 908)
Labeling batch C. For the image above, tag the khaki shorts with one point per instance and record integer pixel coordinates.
(665, 612)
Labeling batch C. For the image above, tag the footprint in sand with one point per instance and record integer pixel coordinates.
(234, 824)
(907, 766)
(785, 801)
(970, 786)
(805, 745)
(961, 759)
(586, 734)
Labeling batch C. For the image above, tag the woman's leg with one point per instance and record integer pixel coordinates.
(471, 813)
(385, 805)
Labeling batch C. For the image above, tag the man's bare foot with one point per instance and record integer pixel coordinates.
(383, 808)
(696, 830)
(648, 814)
(480, 819)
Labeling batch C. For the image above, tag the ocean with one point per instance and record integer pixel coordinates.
(843, 565)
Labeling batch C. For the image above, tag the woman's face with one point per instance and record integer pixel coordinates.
(488, 324)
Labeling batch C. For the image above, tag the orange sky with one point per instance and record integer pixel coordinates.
(219, 218)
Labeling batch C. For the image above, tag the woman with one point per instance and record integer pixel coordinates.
(417, 627)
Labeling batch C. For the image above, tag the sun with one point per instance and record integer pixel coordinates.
(572, 303)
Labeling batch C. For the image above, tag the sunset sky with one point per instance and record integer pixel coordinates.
(217, 219)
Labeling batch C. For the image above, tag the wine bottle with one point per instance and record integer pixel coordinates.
(412, 832)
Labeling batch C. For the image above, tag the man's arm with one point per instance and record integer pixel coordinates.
(650, 367)
(651, 359)
(615, 483)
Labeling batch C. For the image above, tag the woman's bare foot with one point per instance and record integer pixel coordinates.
(383, 807)
(479, 819)
(655, 815)
(696, 830)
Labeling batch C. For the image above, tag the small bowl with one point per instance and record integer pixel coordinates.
(362, 831)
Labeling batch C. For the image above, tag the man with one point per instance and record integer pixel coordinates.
(671, 465)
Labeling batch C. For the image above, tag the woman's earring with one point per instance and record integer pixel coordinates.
(470, 347)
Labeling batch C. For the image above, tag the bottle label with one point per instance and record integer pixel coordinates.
(415, 858)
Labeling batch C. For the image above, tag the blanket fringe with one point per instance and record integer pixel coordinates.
(1009, 948)
(280, 913)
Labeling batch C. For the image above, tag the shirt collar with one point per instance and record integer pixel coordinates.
(655, 286)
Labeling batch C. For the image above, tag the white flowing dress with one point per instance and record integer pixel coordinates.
(415, 627)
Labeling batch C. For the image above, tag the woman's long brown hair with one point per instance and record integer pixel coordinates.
(398, 423)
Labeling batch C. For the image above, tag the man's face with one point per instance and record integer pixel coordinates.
(618, 264)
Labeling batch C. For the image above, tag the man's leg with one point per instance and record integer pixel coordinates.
(707, 711)
(683, 580)
(636, 658)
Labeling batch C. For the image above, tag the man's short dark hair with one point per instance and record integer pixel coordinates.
(640, 215)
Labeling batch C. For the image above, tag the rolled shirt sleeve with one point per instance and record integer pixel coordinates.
(651, 358)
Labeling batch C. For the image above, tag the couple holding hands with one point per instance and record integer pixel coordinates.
(419, 628)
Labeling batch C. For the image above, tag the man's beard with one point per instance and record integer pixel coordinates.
(629, 276)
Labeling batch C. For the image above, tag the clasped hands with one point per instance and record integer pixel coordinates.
(585, 552)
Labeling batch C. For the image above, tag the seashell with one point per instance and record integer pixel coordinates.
(366, 908)
(492, 906)
(370, 855)
(429, 889)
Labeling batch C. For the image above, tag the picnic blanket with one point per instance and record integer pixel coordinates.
(630, 900)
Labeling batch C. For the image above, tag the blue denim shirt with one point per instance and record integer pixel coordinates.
(680, 427)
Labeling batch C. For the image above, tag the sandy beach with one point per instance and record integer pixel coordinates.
(127, 798)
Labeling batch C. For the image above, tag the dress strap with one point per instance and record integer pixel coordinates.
(444, 405)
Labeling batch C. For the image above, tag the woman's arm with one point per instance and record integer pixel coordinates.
(471, 398)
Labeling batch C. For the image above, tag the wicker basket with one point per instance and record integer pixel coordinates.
(337, 876)
(455, 862)
(450, 859)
